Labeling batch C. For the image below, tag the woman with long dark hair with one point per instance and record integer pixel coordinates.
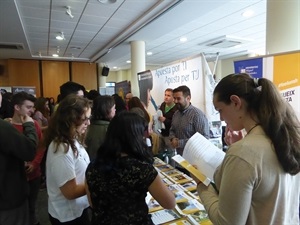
(104, 109)
(118, 180)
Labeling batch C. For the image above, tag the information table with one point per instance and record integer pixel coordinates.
(188, 210)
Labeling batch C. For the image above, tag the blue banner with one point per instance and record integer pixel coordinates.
(254, 67)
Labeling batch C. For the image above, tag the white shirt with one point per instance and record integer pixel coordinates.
(62, 167)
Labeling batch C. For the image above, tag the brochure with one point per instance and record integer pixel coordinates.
(164, 216)
(203, 154)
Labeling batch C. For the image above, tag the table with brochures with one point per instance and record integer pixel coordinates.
(188, 210)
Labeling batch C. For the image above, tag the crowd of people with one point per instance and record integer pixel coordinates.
(93, 152)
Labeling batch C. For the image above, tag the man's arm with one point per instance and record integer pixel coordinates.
(35, 163)
(12, 142)
(201, 125)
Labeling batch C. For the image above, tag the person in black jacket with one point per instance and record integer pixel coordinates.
(15, 149)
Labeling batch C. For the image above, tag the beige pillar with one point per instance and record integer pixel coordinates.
(283, 26)
(102, 79)
(120, 76)
(138, 64)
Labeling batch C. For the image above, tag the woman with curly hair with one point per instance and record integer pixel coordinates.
(67, 161)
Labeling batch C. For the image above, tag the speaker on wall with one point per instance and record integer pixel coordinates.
(105, 71)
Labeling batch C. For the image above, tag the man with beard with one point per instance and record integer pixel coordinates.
(187, 120)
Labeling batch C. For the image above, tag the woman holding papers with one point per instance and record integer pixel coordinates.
(259, 181)
(118, 180)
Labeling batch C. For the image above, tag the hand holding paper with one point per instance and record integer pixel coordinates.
(205, 155)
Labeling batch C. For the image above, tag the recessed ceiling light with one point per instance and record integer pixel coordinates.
(149, 53)
(237, 46)
(55, 55)
(75, 48)
(107, 1)
(128, 61)
(60, 37)
(115, 67)
(183, 39)
(248, 13)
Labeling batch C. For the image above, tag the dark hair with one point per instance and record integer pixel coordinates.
(275, 115)
(70, 87)
(58, 98)
(20, 97)
(62, 126)
(6, 109)
(184, 89)
(102, 106)
(39, 105)
(51, 99)
(120, 104)
(92, 94)
(136, 102)
(125, 134)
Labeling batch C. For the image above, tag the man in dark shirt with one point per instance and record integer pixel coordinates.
(15, 149)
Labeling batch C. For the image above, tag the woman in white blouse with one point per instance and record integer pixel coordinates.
(67, 161)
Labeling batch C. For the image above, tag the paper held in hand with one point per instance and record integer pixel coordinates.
(202, 153)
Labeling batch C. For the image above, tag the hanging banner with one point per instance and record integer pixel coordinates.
(122, 88)
(185, 72)
(145, 82)
(286, 76)
(29, 90)
(195, 74)
(209, 86)
(254, 67)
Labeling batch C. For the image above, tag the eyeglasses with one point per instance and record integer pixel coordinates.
(86, 119)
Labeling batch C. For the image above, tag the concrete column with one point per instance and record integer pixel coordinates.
(120, 76)
(283, 26)
(102, 79)
(138, 64)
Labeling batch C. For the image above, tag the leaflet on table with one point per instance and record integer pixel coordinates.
(183, 221)
(180, 178)
(188, 207)
(164, 216)
(202, 153)
(189, 186)
(199, 217)
(153, 205)
(181, 196)
(176, 187)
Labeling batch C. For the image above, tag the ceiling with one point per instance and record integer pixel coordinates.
(102, 32)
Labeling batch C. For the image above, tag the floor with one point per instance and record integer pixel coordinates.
(42, 208)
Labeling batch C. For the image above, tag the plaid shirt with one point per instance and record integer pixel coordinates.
(186, 123)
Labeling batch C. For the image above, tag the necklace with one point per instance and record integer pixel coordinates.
(252, 128)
